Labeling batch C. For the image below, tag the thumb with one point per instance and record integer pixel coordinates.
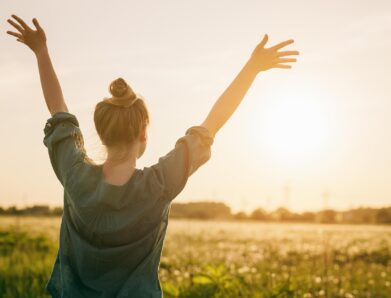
(36, 24)
(264, 40)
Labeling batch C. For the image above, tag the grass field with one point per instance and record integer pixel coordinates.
(225, 259)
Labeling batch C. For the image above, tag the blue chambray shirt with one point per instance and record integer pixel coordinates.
(111, 236)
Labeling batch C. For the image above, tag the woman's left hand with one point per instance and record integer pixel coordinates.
(34, 39)
(266, 58)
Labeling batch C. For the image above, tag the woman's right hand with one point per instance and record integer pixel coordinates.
(34, 39)
(266, 58)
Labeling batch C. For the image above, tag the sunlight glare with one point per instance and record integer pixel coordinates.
(296, 125)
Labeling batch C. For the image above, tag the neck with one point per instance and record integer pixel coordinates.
(129, 157)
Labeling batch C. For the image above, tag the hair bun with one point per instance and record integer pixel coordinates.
(119, 88)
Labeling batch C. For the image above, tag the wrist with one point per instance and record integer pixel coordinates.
(251, 67)
(43, 50)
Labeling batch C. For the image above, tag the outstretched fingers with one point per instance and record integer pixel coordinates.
(36, 24)
(287, 53)
(267, 58)
(15, 25)
(284, 60)
(283, 63)
(282, 66)
(18, 35)
(282, 44)
(21, 22)
(264, 41)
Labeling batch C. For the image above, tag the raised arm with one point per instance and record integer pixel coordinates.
(36, 41)
(261, 59)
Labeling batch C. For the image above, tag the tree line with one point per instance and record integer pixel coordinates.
(217, 210)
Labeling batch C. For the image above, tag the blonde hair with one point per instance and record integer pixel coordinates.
(120, 119)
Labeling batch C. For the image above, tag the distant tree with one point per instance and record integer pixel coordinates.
(259, 214)
(307, 216)
(383, 215)
(57, 211)
(283, 214)
(201, 210)
(37, 210)
(219, 210)
(327, 216)
(360, 215)
(12, 210)
(240, 215)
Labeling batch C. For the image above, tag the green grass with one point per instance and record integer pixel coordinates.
(25, 263)
(223, 259)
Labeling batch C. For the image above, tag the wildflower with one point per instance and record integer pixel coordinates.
(243, 269)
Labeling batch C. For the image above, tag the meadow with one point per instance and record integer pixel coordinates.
(225, 259)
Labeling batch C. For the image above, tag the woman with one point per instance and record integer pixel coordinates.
(116, 215)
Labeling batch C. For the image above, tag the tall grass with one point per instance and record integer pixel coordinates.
(217, 259)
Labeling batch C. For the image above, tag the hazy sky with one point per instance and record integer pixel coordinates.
(322, 127)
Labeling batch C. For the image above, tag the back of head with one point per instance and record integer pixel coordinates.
(120, 119)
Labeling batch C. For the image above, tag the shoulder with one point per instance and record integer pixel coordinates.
(60, 117)
(152, 179)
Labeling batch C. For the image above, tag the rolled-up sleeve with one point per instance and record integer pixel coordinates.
(65, 144)
(191, 151)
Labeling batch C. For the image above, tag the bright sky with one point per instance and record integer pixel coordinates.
(319, 132)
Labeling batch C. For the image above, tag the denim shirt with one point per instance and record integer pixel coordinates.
(111, 236)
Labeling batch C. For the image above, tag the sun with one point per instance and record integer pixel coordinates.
(296, 125)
